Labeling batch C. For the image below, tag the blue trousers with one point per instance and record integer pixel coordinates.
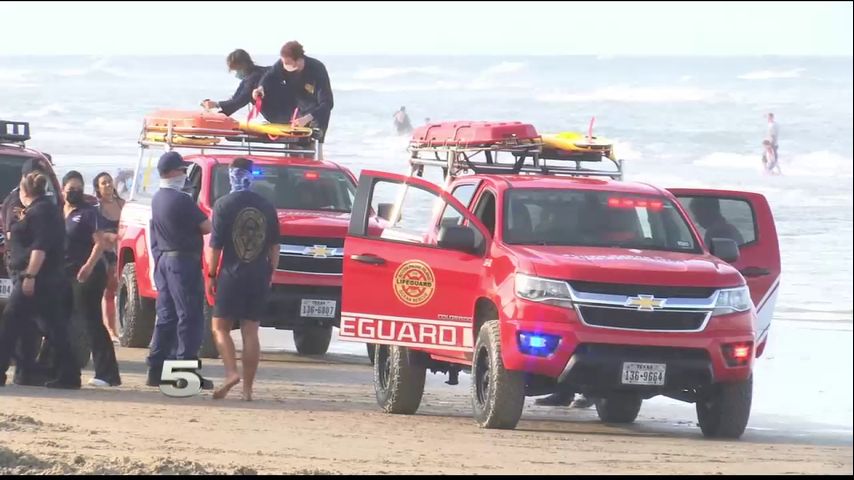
(180, 321)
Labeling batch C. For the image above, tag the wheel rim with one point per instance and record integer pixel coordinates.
(482, 376)
(383, 362)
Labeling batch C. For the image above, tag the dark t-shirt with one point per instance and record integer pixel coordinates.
(41, 228)
(80, 225)
(245, 226)
(175, 220)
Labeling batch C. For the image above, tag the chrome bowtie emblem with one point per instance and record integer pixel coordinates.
(645, 302)
(318, 251)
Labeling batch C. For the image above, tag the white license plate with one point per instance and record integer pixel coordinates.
(643, 373)
(318, 308)
(5, 287)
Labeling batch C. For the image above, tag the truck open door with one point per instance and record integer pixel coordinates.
(759, 249)
(411, 284)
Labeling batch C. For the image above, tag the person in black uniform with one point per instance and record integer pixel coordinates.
(279, 104)
(246, 235)
(307, 80)
(177, 226)
(27, 347)
(38, 241)
(85, 267)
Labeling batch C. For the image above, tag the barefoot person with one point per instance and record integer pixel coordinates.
(246, 236)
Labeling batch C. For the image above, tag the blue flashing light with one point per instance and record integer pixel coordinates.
(256, 172)
(539, 344)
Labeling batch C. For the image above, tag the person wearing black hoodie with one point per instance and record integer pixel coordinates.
(279, 106)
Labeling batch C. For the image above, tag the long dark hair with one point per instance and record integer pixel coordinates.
(97, 189)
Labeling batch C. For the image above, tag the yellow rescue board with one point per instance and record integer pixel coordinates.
(275, 129)
(578, 142)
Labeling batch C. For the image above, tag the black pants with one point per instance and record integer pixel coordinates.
(45, 309)
(86, 298)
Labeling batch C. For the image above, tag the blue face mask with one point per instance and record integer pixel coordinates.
(240, 179)
(240, 74)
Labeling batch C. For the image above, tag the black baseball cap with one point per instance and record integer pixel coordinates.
(170, 161)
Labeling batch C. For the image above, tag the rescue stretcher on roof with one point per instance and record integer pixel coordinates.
(171, 129)
(484, 148)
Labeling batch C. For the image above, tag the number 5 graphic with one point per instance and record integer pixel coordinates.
(182, 377)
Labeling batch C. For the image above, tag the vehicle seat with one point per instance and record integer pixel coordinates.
(520, 227)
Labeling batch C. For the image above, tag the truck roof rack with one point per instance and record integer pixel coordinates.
(230, 141)
(14, 132)
(461, 147)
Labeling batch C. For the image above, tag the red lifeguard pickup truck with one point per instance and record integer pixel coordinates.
(541, 274)
(313, 198)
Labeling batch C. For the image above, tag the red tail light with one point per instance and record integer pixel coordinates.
(311, 175)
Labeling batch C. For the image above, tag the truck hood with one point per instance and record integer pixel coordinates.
(315, 223)
(642, 267)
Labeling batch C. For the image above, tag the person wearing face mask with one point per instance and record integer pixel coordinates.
(38, 241)
(177, 227)
(85, 267)
(307, 80)
(278, 109)
(246, 236)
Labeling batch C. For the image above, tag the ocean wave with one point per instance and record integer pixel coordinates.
(621, 94)
(505, 68)
(16, 78)
(382, 73)
(772, 74)
(475, 84)
(100, 66)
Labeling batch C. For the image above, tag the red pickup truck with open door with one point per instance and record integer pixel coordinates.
(542, 274)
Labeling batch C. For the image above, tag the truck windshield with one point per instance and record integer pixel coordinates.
(596, 219)
(298, 188)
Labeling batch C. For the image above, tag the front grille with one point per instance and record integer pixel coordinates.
(632, 319)
(632, 290)
(307, 263)
(298, 263)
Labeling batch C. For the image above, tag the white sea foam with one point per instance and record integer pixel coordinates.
(772, 74)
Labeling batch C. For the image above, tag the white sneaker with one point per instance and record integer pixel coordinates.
(97, 382)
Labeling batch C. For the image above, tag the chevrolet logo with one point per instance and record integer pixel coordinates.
(645, 302)
(318, 251)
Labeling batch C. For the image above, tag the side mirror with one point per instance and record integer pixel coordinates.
(457, 238)
(724, 248)
(384, 211)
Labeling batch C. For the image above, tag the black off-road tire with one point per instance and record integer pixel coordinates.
(619, 407)
(312, 340)
(208, 348)
(497, 394)
(725, 409)
(398, 380)
(135, 315)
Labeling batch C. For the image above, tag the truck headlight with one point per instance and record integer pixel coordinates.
(733, 300)
(543, 290)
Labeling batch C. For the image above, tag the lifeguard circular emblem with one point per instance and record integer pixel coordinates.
(414, 283)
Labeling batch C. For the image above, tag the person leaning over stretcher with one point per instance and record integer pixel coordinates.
(280, 105)
(307, 80)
